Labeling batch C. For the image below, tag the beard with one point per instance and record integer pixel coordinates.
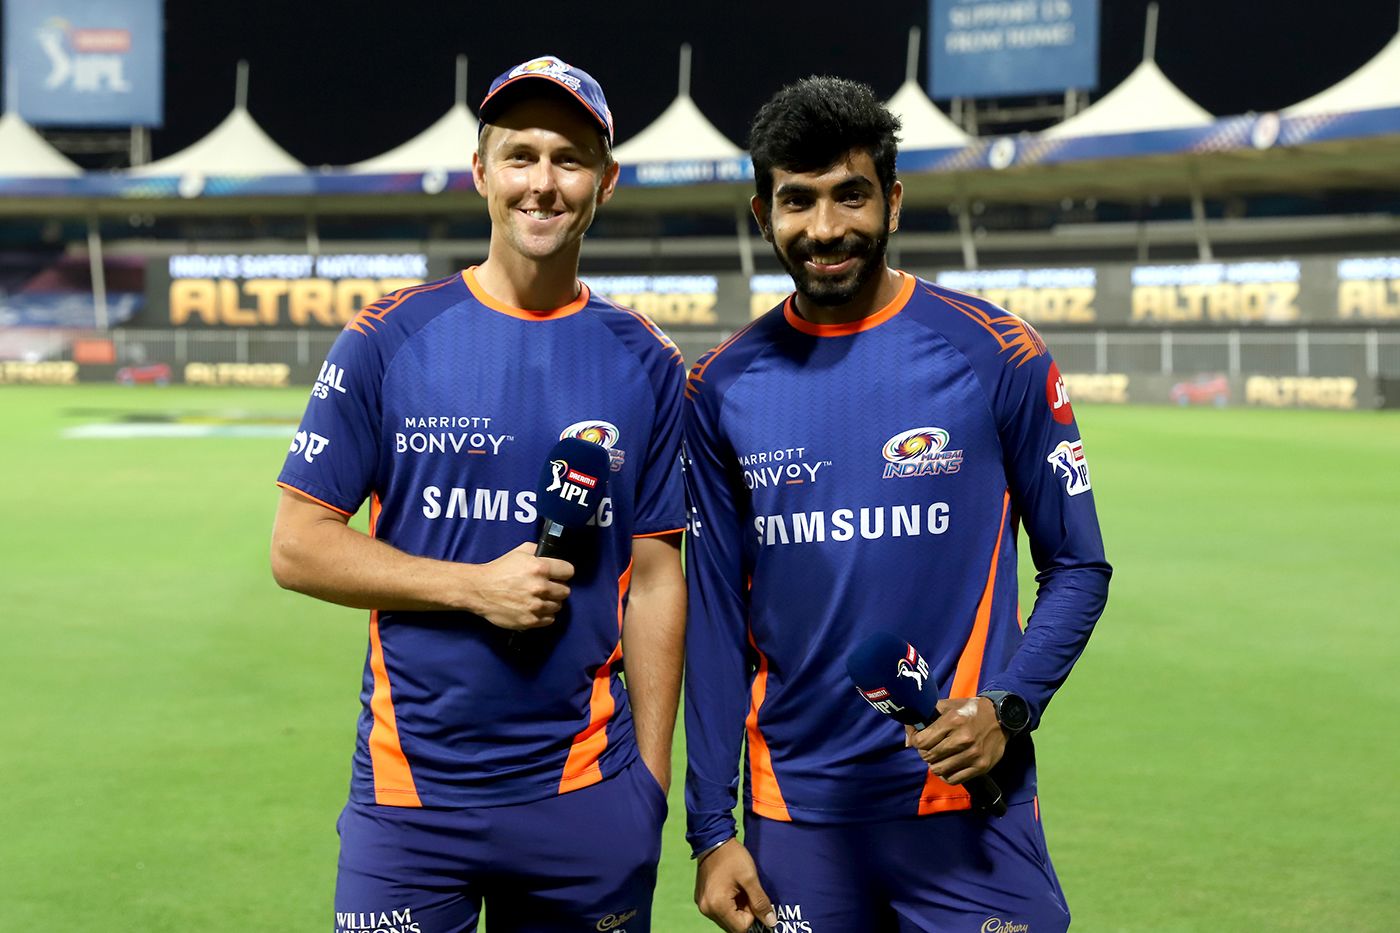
(868, 253)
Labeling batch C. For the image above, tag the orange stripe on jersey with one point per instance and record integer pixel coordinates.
(660, 534)
(581, 768)
(938, 795)
(968, 673)
(895, 305)
(378, 310)
(698, 373)
(306, 495)
(650, 325)
(554, 314)
(763, 783)
(393, 779)
(1009, 331)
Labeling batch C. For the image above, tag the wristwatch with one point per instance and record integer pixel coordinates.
(1013, 712)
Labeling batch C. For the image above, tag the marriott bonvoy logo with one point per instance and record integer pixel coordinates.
(782, 466)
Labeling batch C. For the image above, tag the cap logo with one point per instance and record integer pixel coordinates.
(548, 67)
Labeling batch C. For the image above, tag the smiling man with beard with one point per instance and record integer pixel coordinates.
(903, 401)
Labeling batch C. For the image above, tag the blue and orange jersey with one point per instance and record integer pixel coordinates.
(850, 479)
(439, 406)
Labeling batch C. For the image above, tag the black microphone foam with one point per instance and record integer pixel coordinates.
(572, 483)
(895, 679)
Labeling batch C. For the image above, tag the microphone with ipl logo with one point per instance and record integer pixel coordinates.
(894, 678)
(574, 480)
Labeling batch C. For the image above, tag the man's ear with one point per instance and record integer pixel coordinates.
(896, 201)
(609, 183)
(479, 173)
(760, 214)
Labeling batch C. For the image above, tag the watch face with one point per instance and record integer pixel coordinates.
(1013, 713)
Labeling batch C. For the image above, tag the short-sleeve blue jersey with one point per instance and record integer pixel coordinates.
(440, 405)
(849, 479)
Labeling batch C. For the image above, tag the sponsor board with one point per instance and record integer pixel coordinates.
(1041, 296)
(1263, 292)
(1368, 289)
(47, 373)
(1339, 392)
(273, 290)
(669, 300)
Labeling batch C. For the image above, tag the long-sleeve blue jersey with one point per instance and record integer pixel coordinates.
(871, 477)
(440, 405)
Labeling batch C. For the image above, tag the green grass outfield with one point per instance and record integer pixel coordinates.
(178, 730)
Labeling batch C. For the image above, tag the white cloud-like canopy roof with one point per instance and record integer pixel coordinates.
(26, 154)
(1144, 102)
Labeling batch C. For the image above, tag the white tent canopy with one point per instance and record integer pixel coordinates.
(447, 144)
(924, 126)
(25, 154)
(681, 132)
(1373, 86)
(237, 146)
(1144, 102)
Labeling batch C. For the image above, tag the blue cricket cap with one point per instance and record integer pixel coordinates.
(578, 83)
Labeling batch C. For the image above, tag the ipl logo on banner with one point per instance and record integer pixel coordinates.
(83, 62)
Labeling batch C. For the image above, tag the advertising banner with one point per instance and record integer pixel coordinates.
(287, 290)
(1041, 296)
(1216, 390)
(85, 62)
(1002, 48)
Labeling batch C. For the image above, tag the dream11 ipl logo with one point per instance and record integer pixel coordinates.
(913, 666)
(575, 484)
(89, 59)
(920, 452)
(603, 433)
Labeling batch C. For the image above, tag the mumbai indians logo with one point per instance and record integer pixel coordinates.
(550, 66)
(920, 452)
(913, 666)
(603, 433)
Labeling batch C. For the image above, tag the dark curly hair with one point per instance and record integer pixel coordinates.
(811, 123)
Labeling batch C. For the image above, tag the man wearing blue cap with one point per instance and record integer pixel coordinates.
(500, 757)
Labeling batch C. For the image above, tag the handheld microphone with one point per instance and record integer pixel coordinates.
(894, 678)
(572, 483)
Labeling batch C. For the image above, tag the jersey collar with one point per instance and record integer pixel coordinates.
(480, 294)
(896, 305)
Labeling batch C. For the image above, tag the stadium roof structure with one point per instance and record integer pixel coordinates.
(1146, 101)
(237, 146)
(680, 133)
(447, 145)
(26, 154)
(1189, 155)
(1373, 86)
(924, 126)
